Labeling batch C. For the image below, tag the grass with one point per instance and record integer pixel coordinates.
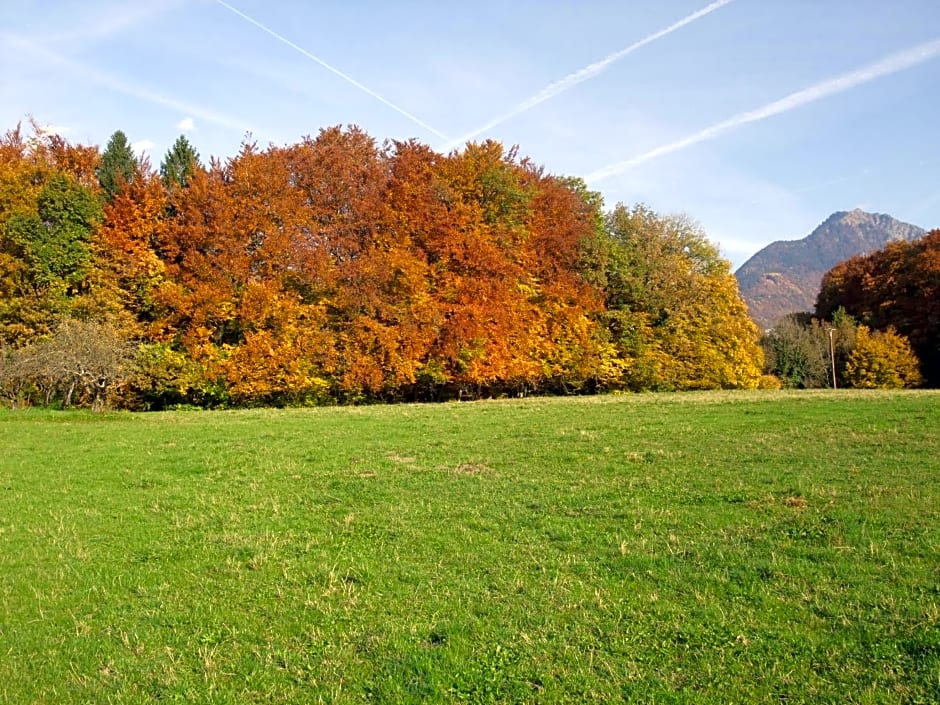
(702, 548)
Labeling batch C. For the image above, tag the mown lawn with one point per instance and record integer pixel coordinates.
(702, 548)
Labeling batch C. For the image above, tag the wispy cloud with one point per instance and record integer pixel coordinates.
(892, 64)
(101, 22)
(142, 147)
(49, 129)
(187, 124)
(119, 85)
(573, 79)
(346, 77)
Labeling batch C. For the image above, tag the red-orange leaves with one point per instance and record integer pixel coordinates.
(338, 268)
(899, 287)
(134, 223)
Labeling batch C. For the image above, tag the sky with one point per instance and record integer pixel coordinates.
(756, 118)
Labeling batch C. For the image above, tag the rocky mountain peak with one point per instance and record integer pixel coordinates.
(784, 277)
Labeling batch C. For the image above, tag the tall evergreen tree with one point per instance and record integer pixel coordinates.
(180, 162)
(118, 165)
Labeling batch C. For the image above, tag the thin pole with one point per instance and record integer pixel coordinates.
(832, 354)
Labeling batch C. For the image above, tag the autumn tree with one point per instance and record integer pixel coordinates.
(881, 360)
(566, 222)
(673, 307)
(356, 263)
(126, 244)
(481, 278)
(46, 149)
(897, 286)
(503, 241)
(21, 179)
(233, 292)
(338, 268)
(335, 267)
(403, 323)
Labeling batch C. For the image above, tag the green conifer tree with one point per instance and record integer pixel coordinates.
(118, 166)
(180, 162)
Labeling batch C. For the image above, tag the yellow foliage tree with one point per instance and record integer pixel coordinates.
(881, 360)
(674, 309)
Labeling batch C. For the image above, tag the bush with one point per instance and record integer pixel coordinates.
(769, 382)
(797, 354)
(881, 360)
(81, 363)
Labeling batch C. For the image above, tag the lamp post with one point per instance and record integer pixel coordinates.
(832, 355)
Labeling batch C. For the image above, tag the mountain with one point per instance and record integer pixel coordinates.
(784, 277)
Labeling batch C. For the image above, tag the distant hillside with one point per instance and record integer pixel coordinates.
(784, 277)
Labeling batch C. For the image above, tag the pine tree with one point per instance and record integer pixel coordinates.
(118, 166)
(180, 162)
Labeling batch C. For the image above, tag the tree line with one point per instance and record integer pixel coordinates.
(337, 269)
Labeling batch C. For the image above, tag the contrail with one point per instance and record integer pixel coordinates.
(89, 73)
(573, 79)
(892, 64)
(332, 69)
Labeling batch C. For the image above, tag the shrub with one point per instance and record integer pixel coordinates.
(881, 360)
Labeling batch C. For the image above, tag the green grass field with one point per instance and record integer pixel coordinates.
(701, 548)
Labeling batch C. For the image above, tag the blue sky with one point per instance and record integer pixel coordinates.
(757, 118)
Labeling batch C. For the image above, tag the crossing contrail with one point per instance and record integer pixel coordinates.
(573, 79)
(894, 63)
(115, 83)
(332, 69)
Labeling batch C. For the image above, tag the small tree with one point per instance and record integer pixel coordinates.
(881, 360)
(27, 375)
(81, 362)
(92, 358)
